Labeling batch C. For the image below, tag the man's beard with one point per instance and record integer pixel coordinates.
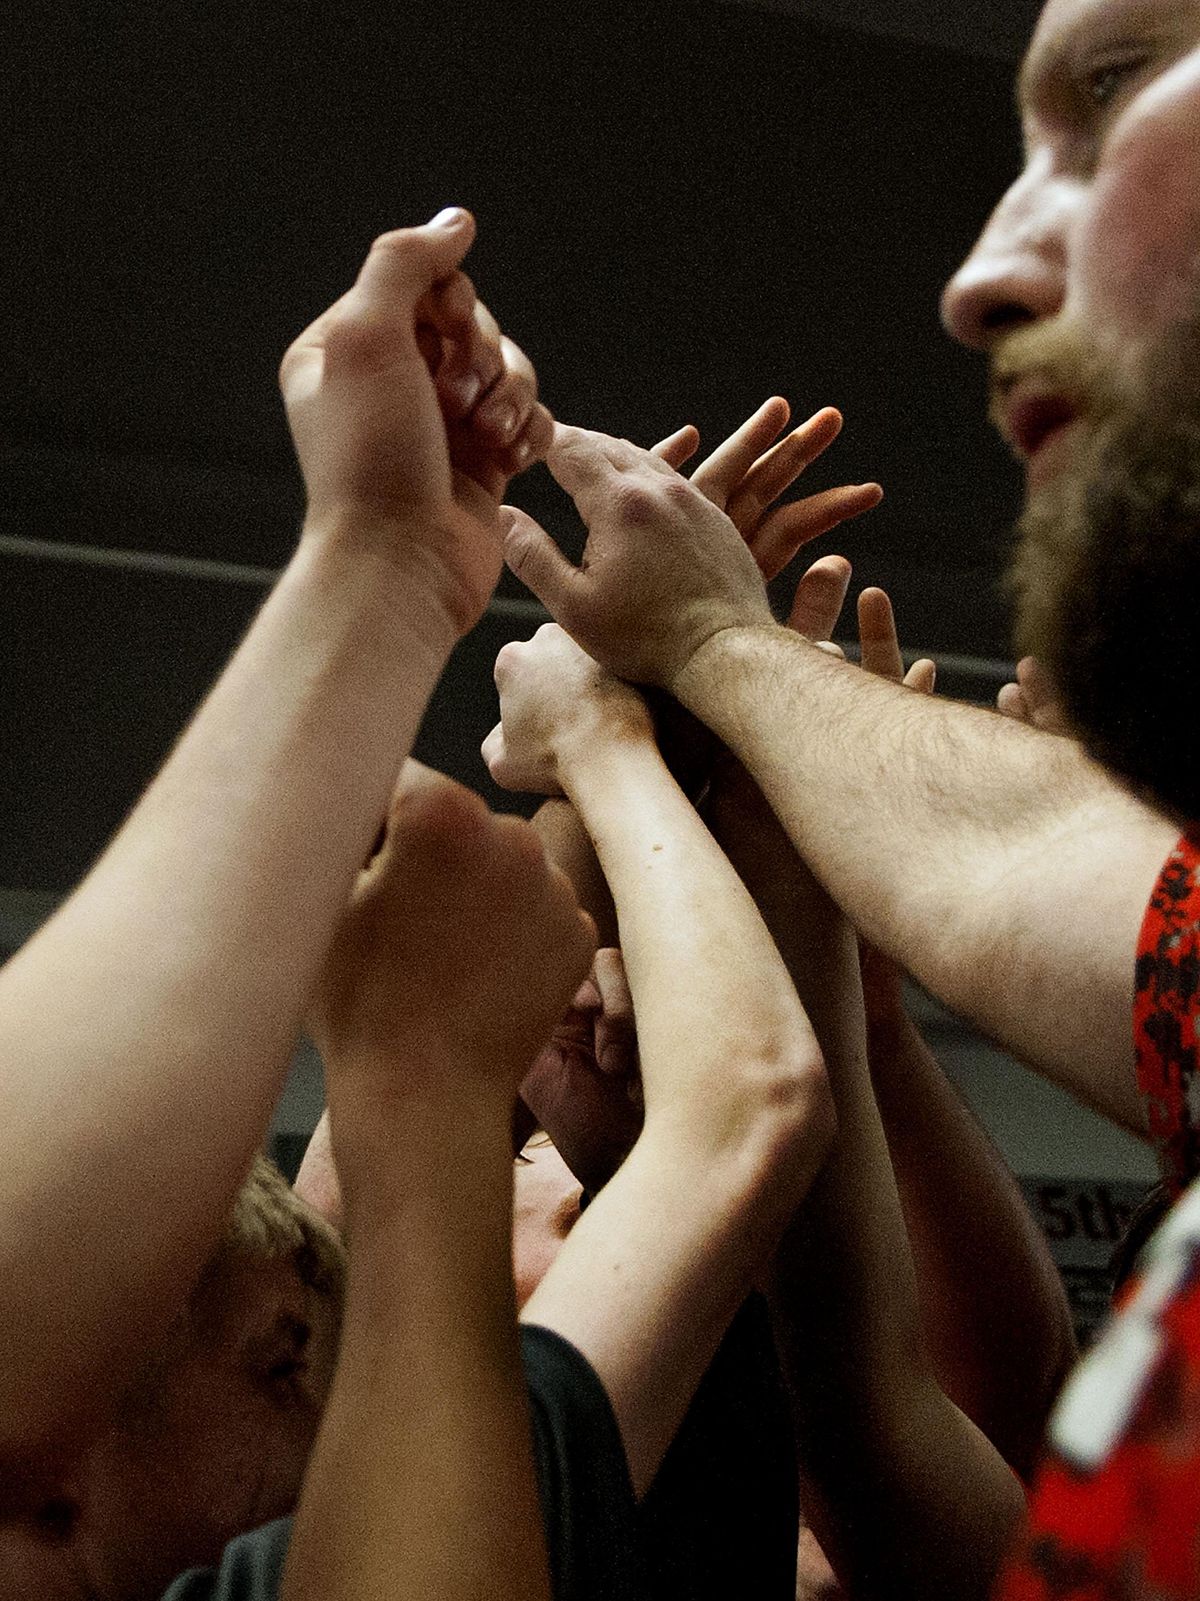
(1107, 580)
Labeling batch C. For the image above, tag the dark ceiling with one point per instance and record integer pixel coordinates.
(682, 209)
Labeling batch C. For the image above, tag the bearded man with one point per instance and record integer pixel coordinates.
(1000, 864)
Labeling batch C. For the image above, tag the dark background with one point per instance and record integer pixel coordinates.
(682, 209)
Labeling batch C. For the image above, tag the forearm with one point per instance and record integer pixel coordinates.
(568, 846)
(879, 1444)
(1001, 1342)
(737, 1108)
(999, 866)
(148, 1026)
(707, 984)
(422, 1482)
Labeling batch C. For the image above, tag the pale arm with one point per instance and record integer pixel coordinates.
(737, 1111)
(1005, 870)
(998, 865)
(146, 1029)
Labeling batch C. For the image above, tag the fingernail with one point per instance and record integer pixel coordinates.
(448, 217)
(523, 455)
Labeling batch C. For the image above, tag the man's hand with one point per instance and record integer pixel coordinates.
(398, 392)
(584, 1088)
(554, 700)
(663, 569)
(457, 956)
(745, 477)
(747, 474)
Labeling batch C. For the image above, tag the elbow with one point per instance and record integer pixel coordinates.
(787, 1126)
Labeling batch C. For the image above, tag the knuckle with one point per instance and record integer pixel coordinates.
(678, 492)
(506, 660)
(636, 503)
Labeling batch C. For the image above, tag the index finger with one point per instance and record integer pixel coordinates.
(589, 465)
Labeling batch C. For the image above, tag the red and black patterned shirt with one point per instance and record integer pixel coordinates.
(1115, 1510)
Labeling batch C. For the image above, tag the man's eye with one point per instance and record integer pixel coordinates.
(1104, 84)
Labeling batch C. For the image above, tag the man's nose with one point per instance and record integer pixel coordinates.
(1016, 273)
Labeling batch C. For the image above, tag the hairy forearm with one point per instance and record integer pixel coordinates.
(148, 1026)
(422, 1482)
(1001, 1342)
(997, 864)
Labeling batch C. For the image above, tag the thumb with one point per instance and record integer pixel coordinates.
(405, 264)
(537, 561)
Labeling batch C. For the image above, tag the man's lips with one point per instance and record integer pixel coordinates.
(1032, 417)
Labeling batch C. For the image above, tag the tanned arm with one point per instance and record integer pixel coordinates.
(460, 950)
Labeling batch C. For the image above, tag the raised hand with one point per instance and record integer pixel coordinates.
(553, 699)
(456, 958)
(744, 477)
(487, 388)
(663, 569)
(747, 474)
(379, 434)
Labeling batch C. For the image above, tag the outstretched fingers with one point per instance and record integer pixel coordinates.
(784, 531)
(720, 474)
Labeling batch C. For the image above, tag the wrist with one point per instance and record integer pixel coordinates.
(598, 732)
(724, 652)
(388, 1145)
(392, 561)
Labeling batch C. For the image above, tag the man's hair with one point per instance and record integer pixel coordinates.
(269, 1223)
(269, 1220)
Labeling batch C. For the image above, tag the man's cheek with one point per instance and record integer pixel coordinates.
(1139, 245)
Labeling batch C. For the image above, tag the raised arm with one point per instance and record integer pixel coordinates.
(906, 1495)
(459, 951)
(145, 1031)
(737, 1113)
(998, 864)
